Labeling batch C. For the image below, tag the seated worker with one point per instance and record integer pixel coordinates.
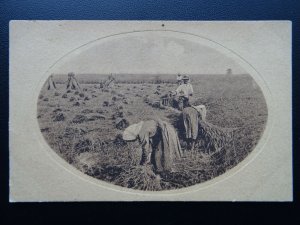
(159, 142)
(184, 92)
(191, 116)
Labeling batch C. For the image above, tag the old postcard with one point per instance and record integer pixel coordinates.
(150, 110)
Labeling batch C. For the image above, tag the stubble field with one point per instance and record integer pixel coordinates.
(85, 126)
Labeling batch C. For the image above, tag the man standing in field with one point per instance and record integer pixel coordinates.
(184, 92)
(191, 116)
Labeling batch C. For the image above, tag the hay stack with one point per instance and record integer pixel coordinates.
(50, 83)
(72, 82)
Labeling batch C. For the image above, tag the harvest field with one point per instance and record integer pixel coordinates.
(85, 126)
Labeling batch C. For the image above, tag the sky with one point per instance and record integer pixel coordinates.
(149, 54)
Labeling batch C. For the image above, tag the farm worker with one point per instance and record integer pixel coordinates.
(159, 142)
(184, 92)
(191, 116)
(179, 79)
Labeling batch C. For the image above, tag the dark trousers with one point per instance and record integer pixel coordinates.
(183, 102)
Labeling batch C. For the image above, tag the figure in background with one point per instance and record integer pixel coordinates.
(179, 79)
(183, 93)
(159, 142)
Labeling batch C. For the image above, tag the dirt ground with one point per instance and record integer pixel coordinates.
(85, 127)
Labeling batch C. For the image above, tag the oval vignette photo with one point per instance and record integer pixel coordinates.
(151, 111)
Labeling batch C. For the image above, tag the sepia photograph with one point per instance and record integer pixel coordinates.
(138, 124)
(168, 111)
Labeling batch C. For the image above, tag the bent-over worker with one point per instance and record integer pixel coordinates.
(159, 142)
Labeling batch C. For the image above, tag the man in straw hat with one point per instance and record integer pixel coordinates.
(184, 92)
(191, 116)
(159, 142)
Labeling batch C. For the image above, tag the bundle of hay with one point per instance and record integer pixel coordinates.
(72, 83)
(139, 177)
(57, 110)
(71, 132)
(76, 104)
(214, 138)
(146, 99)
(119, 114)
(96, 117)
(59, 117)
(101, 111)
(83, 145)
(86, 111)
(105, 103)
(121, 123)
(46, 129)
(79, 119)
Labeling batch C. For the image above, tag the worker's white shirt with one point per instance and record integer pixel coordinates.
(185, 90)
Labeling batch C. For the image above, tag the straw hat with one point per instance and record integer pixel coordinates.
(185, 77)
(131, 132)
